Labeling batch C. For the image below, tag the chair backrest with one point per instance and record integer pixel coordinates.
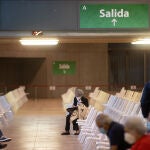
(91, 111)
(5, 105)
(136, 109)
(130, 108)
(110, 104)
(134, 97)
(124, 107)
(138, 98)
(94, 96)
(96, 90)
(121, 93)
(10, 98)
(93, 117)
(101, 99)
(120, 105)
(129, 94)
(68, 97)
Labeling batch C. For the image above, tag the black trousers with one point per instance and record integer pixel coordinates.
(1, 133)
(74, 122)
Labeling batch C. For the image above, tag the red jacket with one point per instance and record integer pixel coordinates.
(142, 144)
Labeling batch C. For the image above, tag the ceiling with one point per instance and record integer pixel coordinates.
(76, 37)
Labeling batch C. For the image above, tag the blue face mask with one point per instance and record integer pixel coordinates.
(102, 131)
(148, 126)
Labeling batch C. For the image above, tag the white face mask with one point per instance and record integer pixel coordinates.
(129, 138)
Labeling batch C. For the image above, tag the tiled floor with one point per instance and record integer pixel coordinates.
(37, 126)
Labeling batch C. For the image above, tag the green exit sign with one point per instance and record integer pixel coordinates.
(64, 67)
(114, 16)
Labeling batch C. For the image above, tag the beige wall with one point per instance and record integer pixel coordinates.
(91, 66)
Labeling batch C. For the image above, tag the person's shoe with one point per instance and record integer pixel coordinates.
(76, 133)
(4, 139)
(3, 146)
(65, 133)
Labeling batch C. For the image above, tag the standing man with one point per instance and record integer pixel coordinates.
(78, 99)
(145, 103)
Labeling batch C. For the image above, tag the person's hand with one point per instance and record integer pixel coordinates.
(79, 104)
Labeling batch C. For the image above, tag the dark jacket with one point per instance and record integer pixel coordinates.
(84, 101)
(116, 136)
(145, 100)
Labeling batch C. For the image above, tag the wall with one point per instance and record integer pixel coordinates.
(9, 74)
(34, 67)
(128, 65)
(91, 61)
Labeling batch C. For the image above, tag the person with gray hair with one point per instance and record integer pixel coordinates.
(114, 131)
(78, 99)
(136, 134)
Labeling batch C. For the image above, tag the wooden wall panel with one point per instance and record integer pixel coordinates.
(34, 67)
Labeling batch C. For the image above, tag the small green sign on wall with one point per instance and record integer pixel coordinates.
(64, 67)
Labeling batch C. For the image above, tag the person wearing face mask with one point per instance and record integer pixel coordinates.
(136, 134)
(78, 99)
(145, 104)
(114, 131)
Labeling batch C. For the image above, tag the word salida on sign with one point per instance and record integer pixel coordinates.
(64, 66)
(114, 13)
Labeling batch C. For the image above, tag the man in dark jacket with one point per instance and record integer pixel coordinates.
(145, 100)
(145, 104)
(79, 98)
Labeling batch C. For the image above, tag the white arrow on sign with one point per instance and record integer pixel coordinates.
(64, 71)
(84, 7)
(114, 21)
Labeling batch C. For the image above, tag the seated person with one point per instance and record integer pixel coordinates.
(78, 99)
(114, 131)
(3, 139)
(136, 134)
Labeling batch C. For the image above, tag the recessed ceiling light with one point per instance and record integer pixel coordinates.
(39, 41)
(142, 41)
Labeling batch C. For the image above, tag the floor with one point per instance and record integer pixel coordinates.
(37, 126)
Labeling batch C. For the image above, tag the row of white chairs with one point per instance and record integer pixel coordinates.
(10, 103)
(98, 98)
(89, 133)
(118, 107)
(126, 94)
(129, 94)
(17, 98)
